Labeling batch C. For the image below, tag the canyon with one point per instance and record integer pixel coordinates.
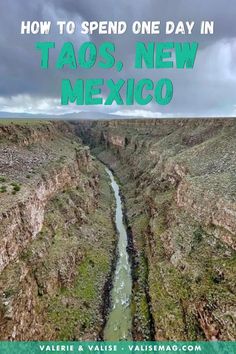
(58, 245)
(178, 181)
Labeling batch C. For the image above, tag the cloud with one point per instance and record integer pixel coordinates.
(35, 105)
(138, 113)
(45, 105)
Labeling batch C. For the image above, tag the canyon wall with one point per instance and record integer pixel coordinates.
(57, 236)
(178, 178)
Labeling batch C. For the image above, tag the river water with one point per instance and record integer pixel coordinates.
(119, 323)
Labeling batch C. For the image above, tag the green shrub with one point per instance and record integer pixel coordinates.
(9, 292)
(2, 179)
(16, 187)
(3, 189)
(198, 234)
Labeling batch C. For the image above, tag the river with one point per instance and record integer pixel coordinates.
(119, 322)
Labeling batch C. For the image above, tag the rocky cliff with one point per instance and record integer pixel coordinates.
(178, 179)
(57, 236)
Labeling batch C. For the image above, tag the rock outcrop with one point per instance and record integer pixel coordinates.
(56, 233)
(178, 179)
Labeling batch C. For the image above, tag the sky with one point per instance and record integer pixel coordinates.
(207, 90)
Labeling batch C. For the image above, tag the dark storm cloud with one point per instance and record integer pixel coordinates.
(207, 89)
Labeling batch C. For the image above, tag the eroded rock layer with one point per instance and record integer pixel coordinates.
(57, 236)
(179, 182)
